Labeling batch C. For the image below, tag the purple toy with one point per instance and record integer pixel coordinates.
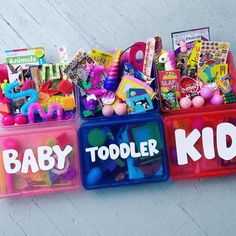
(207, 92)
(90, 103)
(45, 115)
(113, 72)
(217, 99)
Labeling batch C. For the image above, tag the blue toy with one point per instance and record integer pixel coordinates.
(32, 93)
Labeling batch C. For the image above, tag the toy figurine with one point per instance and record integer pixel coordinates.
(168, 59)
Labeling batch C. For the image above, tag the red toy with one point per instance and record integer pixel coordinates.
(65, 86)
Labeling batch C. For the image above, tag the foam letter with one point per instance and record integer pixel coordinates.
(29, 160)
(103, 153)
(45, 160)
(134, 154)
(114, 151)
(92, 152)
(9, 158)
(124, 150)
(224, 129)
(185, 145)
(152, 143)
(143, 149)
(208, 143)
(61, 155)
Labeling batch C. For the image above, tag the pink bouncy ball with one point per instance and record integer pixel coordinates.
(11, 143)
(8, 120)
(207, 92)
(198, 101)
(217, 99)
(107, 110)
(20, 119)
(121, 109)
(185, 103)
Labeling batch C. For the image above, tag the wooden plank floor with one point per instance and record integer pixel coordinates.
(196, 207)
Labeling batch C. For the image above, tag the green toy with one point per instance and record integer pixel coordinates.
(97, 137)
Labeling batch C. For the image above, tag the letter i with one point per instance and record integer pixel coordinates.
(208, 143)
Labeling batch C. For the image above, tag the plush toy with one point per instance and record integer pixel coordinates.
(168, 59)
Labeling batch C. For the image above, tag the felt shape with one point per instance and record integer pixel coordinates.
(65, 86)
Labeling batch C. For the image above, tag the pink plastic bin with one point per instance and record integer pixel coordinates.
(23, 173)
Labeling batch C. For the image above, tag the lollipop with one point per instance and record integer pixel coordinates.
(112, 76)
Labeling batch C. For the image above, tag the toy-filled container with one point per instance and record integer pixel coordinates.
(123, 151)
(37, 160)
(227, 103)
(201, 144)
(38, 132)
(198, 75)
(115, 84)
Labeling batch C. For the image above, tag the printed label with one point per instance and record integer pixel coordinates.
(123, 150)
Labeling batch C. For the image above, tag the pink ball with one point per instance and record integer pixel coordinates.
(207, 92)
(8, 120)
(185, 103)
(121, 109)
(107, 110)
(11, 143)
(198, 101)
(198, 123)
(20, 119)
(217, 99)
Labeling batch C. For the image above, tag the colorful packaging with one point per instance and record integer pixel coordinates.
(19, 60)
